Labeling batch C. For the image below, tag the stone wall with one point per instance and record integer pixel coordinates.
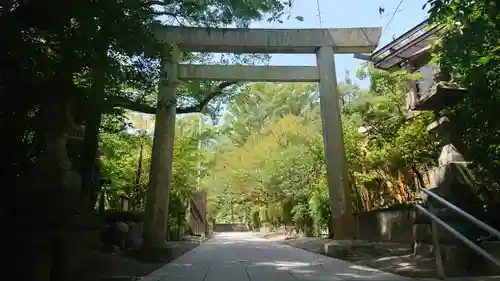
(393, 224)
(230, 227)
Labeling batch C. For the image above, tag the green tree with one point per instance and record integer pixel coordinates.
(127, 166)
(392, 142)
(85, 59)
(254, 105)
(469, 50)
(270, 151)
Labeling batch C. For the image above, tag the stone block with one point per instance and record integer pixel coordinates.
(134, 236)
(341, 248)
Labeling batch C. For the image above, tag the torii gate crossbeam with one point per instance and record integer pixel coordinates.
(284, 41)
(325, 43)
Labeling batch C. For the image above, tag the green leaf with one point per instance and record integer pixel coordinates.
(485, 60)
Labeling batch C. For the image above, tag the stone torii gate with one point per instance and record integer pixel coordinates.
(322, 42)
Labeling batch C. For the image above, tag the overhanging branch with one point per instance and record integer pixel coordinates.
(217, 91)
(147, 109)
(132, 105)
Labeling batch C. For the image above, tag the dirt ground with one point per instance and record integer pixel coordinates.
(133, 265)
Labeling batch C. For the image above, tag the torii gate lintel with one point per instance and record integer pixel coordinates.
(271, 41)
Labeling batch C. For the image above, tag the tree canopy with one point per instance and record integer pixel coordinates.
(70, 67)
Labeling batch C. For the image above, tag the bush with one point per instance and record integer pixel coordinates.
(302, 219)
(319, 208)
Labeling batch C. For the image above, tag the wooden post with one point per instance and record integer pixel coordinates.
(340, 202)
(155, 224)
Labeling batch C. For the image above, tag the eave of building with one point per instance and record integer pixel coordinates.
(403, 49)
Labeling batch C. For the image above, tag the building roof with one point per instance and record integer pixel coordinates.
(412, 43)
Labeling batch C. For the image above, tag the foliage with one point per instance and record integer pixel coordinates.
(71, 70)
(470, 51)
(391, 141)
(271, 154)
(122, 164)
(68, 63)
(125, 159)
(319, 206)
(244, 117)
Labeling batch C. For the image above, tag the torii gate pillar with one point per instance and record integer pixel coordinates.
(339, 188)
(160, 175)
(322, 42)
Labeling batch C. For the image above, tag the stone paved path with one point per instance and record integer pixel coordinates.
(245, 257)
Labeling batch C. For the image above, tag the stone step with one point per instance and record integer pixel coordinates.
(480, 278)
(396, 257)
(460, 256)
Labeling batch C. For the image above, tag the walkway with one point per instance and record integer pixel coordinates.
(242, 256)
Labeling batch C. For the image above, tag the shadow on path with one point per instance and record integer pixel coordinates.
(243, 256)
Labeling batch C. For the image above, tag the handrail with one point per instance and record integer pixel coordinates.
(460, 236)
(435, 219)
(464, 214)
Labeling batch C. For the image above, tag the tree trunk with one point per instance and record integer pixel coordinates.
(139, 167)
(102, 202)
(179, 224)
(136, 198)
(90, 185)
(232, 213)
(330, 228)
(419, 176)
(358, 201)
(90, 182)
(53, 162)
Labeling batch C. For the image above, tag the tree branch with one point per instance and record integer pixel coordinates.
(159, 3)
(214, 93)
(164, 13)
(132, 105)
(144, 108)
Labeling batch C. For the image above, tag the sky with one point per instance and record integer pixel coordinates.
(345, 13)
